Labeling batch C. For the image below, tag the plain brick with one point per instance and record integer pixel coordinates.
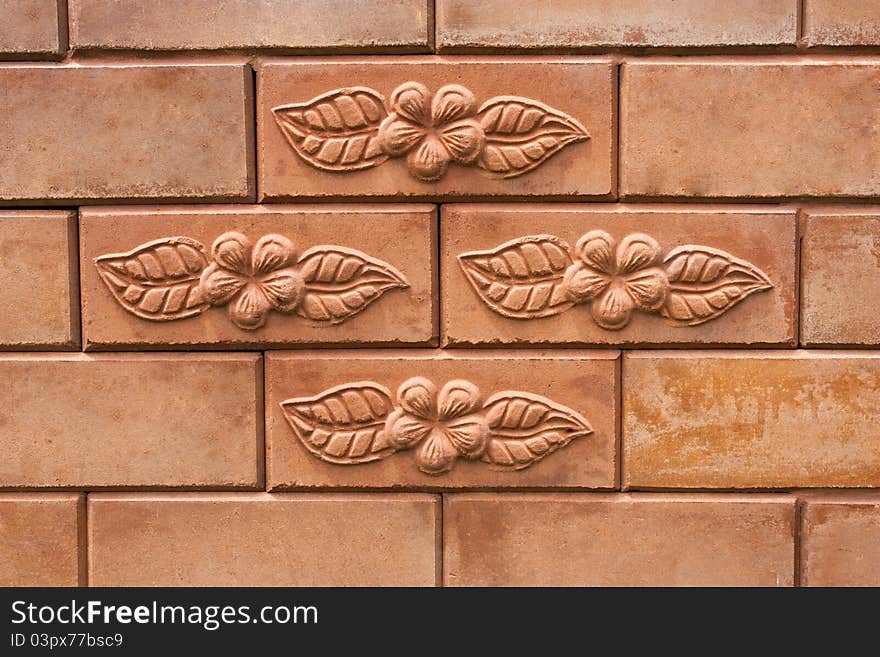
(39, 299)
(750, 128)
(840, 539)
(42, 539)
(33, 29)
(73, 133)
(131, 420)
(840, 277)
(842, 22)
(258, 539)
(618, 540)
(750, 419)
(536, 25)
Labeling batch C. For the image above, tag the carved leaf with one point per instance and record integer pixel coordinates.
(336, 131)
(342, 282)
(522, 133)
(521, 278)
(705, 283)
(345, 424)
(524, 428)
(157, 280)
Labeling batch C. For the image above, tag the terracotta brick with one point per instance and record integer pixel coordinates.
(458, 420)
(73, 133)
(750, 128)
(842, 22)
(840, 279)
(164, 420)
(513, 274)
(33, 29)
(430, 127)
(41, 539)
(342, 275)
(840, 544)
(257, 539)
(534, 25)
(39, 304)
(750, 419)
(292, 25)
(618, 540)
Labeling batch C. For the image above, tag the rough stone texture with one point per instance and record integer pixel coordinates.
(584, 383)
(129, 131)
(39, 297)
(42, 539)
(840, 276)
(33, 29)
(750, 419)
(401, 236)
(263, 540)
(584, 89)
(840, 544)
(363, 25)
(565, 24)
(618, 540)
(78, 421)
(764, 237)
(750, 128)
(842, 22)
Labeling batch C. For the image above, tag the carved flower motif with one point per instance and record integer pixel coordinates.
(617, 278)
(433, 131)
(447, 425)
(252, 280)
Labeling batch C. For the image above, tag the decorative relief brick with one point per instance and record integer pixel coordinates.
(599, 539)
(291, 25)
(750, 419)
(568, 274)
(131, 420)
(233, 276)
(711, 136)
(464, 25)
(33, 29)
(42, 540)
(431, 127)
(842, 22)
(39, 305)
(69, 134)
(840, 539)
(440, 420)
(840, 276)
(257, 539)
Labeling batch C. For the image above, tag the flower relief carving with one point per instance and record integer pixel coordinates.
(354, 128)
(537, 276)
(174, 278)
(359, 423)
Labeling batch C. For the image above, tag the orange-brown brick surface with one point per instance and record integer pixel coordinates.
(842, 22)
(32, 29)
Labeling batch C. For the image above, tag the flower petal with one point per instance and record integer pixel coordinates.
(232, 251)
(428, 160)
(437, 455)
(410, 100)
(464, 140)
(451, 103)
(219, 285)
(469, 435)
(458, 398)
(284, 289)
(596, 249)
(613, 309)
(648, 288)
(418, 396)
(398, 136)
(405, 430)
(636, 252)
(250, 308)
(584, 283)
(272, 252)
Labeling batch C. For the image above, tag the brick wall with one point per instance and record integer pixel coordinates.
(359, 292)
